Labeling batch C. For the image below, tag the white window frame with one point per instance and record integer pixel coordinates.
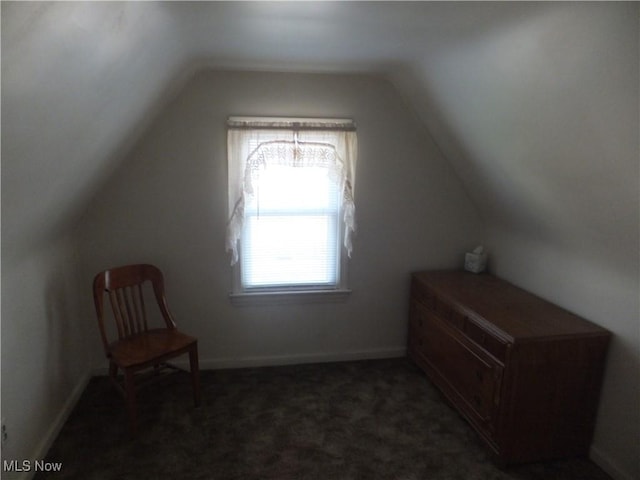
(293, 293)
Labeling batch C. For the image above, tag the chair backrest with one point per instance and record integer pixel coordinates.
(124, 288)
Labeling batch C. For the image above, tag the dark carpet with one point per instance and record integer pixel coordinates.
(368, 420)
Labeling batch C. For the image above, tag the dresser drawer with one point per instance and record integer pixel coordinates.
(487, 340)
(470, 378)
(433, 302)
(423, 295)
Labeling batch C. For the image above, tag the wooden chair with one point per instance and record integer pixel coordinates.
(138, 349)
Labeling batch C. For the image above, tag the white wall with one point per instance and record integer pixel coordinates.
(167, 205)
(45, 359)
(78, 81)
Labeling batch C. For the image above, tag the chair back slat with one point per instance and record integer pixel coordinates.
(143, 313)
(124, 286)
(117, 315)
(134, 301)
(125, 311)
(127, 304)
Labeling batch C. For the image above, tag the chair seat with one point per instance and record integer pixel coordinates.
(146, 348)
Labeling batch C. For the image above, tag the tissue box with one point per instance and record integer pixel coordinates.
(475, 262)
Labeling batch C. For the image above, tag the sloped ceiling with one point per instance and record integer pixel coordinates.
(534, 104)
(77, 80)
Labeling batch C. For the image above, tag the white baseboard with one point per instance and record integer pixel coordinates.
(52, 433)
(608, 465)
(280, 360)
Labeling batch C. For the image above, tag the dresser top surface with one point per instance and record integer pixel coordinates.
(517, 313)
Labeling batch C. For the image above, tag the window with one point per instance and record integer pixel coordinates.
(291, 210)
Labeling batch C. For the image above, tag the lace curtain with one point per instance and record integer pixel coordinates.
(332, 146)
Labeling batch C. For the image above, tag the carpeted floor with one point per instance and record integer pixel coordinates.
(365, 420)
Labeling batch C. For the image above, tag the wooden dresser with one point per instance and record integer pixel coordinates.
(525, 373)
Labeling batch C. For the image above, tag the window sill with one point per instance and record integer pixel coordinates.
(291, 297)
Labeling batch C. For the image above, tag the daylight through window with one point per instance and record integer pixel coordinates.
(291, 209)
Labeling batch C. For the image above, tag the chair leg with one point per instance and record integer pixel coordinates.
(195, 374)
(130, 391)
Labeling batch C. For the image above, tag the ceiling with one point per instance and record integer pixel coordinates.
(534, 104)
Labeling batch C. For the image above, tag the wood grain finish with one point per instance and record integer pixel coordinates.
(138, 348)
(525, 373)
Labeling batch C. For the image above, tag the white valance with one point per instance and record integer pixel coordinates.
(329, 144)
